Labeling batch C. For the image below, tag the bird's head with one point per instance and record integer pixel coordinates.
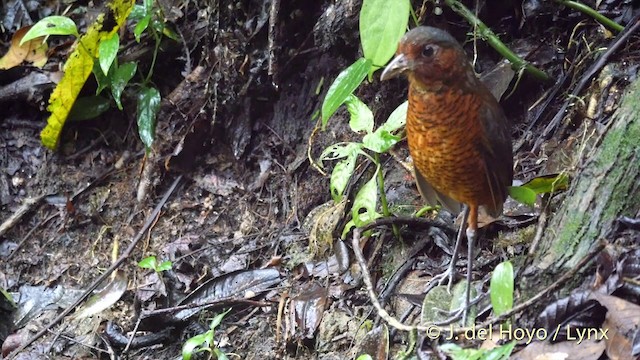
(431, 59)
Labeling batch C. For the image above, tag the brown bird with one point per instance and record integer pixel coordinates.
(458, 136)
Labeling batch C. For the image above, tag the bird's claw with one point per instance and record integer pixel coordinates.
(447, 276)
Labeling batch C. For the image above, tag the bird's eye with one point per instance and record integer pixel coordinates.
(429, 50)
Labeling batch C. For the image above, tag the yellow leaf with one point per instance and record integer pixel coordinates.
(33, 51)
(78, 68)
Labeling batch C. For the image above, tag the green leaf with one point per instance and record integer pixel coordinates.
(148, 106)
(102, 79)
(522, 195)
(383, 139)
(502, 288)
(107, 52)
(158, 26)
(380, 141)
(220, 355)
(8, 298)
(436, 305)
(150, 262)
(169, 32)
(343, 170)
(397, 119)
(458, 353)
(148, 6)
(340, 176)
(350, 225)
(339, 151)
(501, 352)
(364, 357)
(191, 344)
(137, 13)
(458, 299)
(548, 183)
(366, 200)
(346, 82)
(361, 116)
(120, 79)
(141, 27)
(217, 320)
(164, 266)
(89, 107)
(382, 24)
(51, 25)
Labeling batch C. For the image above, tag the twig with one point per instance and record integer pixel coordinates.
(355, 242)
(28, 204)
(593, 13)
(587, 76)
(26, 237)
(542, 224)
(150, 219)
(429, 328)
(273, 60)
(313, 163)
(492, 39)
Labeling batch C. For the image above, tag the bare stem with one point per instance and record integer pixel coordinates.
(492, 39)
(593, 13)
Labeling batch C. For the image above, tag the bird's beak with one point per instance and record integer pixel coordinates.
(396, 67)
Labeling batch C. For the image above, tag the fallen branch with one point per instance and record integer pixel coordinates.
(433, 328)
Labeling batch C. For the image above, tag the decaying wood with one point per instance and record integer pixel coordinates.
(604, 188)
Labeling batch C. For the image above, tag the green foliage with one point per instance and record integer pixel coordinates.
(382, 24)
(51, 25)
(361, 115)
(528, 192)
(8, 297)
(363, 210)
(107, 71)
(150, 262)
(89, 107)
(205, 341)
(343, 170)
(346, 82)
(364, 357)
(145, 12)
(501, 288)
(458, 353)
(523, 195)
(148, 106)
(119, 80)
(107, 52)
(383, 138)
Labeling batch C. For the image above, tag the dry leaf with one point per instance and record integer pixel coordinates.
(33, 51)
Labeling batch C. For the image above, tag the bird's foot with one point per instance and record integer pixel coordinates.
(446, 277)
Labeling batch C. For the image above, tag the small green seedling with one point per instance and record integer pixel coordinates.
(205, 341)
(150, 262)
(498, 353)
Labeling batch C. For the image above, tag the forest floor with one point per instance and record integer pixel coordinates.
(229, 196)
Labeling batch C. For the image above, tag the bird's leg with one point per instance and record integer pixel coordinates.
(451, 270)
(472, 232)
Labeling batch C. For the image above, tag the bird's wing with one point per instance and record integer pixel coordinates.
(497, 153)
(433, 196)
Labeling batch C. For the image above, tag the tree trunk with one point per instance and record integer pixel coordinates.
(606, 187)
